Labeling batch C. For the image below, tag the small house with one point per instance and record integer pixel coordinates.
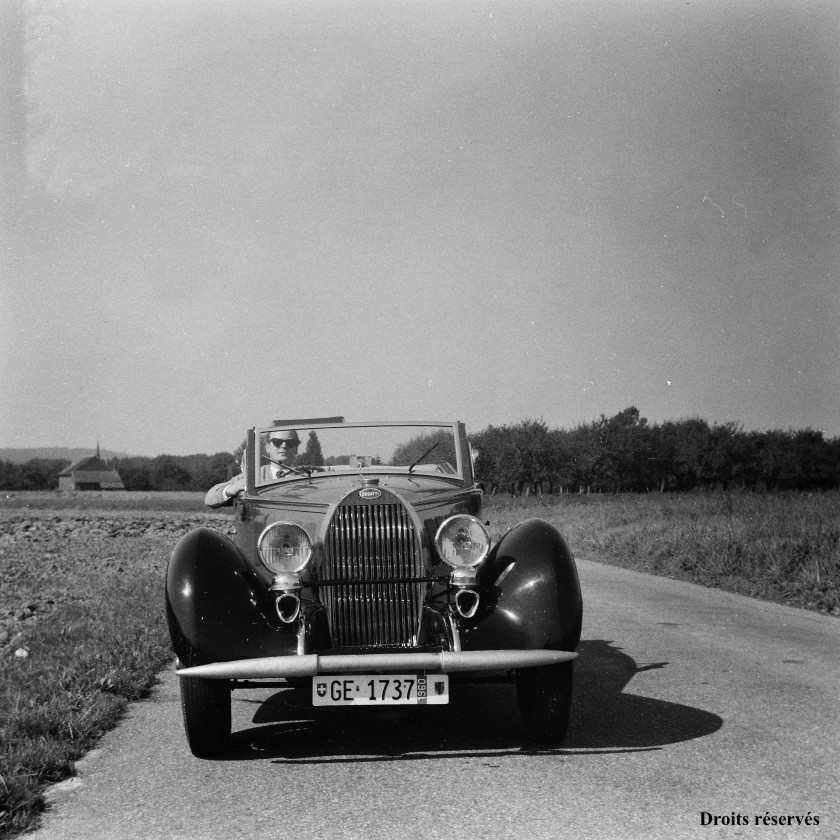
(90, 473)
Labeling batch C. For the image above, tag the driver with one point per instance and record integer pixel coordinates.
(281, 449)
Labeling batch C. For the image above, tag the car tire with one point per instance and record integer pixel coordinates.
(545, 701)
(207, 720)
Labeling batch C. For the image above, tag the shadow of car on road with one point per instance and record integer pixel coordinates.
(481, 720)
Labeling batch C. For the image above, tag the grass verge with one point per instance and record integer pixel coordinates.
(82, 633)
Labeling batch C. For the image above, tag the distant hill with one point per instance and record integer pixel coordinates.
(54, 453)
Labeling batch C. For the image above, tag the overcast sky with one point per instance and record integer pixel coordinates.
(424, 210)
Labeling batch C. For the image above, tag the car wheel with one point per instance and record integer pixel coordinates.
(545, 701)
(206, 707)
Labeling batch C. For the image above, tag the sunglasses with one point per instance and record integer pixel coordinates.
(278, 442)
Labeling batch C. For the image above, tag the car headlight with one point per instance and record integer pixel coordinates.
(284, 547)
(462, 541)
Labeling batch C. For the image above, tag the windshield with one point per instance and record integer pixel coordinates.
(286, 453)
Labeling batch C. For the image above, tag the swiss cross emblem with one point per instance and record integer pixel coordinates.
(321, 688)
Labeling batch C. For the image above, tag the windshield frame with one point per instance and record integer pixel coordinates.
(461, 475)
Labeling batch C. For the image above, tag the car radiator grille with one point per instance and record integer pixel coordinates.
(370, 552)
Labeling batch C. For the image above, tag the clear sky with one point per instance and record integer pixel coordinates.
(486, 211)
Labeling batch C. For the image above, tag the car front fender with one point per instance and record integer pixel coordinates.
(214, 603)
(531, 591)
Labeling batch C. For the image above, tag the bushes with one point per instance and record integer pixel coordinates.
(625, 453)
(37, 474)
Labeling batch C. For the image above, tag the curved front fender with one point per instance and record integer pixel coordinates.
(532, 591)
(213, 603)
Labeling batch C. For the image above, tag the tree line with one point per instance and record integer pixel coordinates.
(623, 453)
(162, 472)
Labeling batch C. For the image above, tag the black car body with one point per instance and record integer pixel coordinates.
(364, 568)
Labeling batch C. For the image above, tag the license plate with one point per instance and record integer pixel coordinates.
(379, 690)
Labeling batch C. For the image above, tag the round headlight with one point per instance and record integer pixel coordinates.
(462, 541)
(284, 547)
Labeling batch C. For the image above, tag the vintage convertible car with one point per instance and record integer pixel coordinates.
(361, 567)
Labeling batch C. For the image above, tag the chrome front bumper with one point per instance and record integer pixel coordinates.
(310, 665)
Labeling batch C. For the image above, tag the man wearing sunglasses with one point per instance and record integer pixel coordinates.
(280, 448)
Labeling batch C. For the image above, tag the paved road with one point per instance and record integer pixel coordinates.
(687, 700)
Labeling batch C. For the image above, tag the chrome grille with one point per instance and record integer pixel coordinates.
(370, 550)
